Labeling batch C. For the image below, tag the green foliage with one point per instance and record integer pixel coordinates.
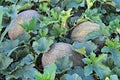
(84, 48)
(7, 47)
(31, 25)
(80, 72)
(49, 73)
(92, 15)
(20, 59)
(42, 45)
(73, 4)
(113, 46)
(70, 77)
(4, 62)
(1, 15)
(113, 25)
(43, 32)
(63, 64)
(58, 31)
(23, 69)
(90, 3)
(11, 11)
(117, 2)
(114, 77)
(95, 64)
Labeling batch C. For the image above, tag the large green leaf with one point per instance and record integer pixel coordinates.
(11, 11)
(42, 45)
(116, 70)
(80, 72)
(73, 4)
(113, 25)
(23, 69)
(49, 73)
(92, 15)
(71, 77)
(113, 46)
(88, 46)
(25, 72)
(96, 65)
(8, 46)
(4, 62)
(117, 2)
(31, 25)
(58, 31)
(63, 64)
(114, 77)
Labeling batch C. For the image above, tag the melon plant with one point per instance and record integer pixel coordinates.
(59, 40)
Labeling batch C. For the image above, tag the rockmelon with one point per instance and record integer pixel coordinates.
(24, 16)
(58, 50)
(80, 32)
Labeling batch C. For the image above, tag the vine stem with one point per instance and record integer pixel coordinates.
(15, 49)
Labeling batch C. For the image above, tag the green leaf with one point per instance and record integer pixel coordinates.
(92, 15)
(44, 7)
(31, 25)
(80, 72)
(87, 61)
(89, 46)
(42, 45)
(25, 72)
(43, 32)
(102, 71)
(4, 62)
(117, 2)
(96, 65)
(49, 73)
(54, 2)
(88, 70)
(90, 3)
(63, 64)
(116, 70)
(113, 47)
(113, 25)
(114, 77)
(8, 46)
(23, 69)
(27, 60)
(71, 77)
(11, 11)
(12, 1)
(1, 15)
(24, 38)
(73, 4)
(58, 31)
(24, 7)
(98, 34)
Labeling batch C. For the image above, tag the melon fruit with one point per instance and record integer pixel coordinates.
(22, 17)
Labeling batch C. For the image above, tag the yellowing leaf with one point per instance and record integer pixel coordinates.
(118, 30)
(90, 3)
(107, 78)
(81, 50)
(65, 15)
